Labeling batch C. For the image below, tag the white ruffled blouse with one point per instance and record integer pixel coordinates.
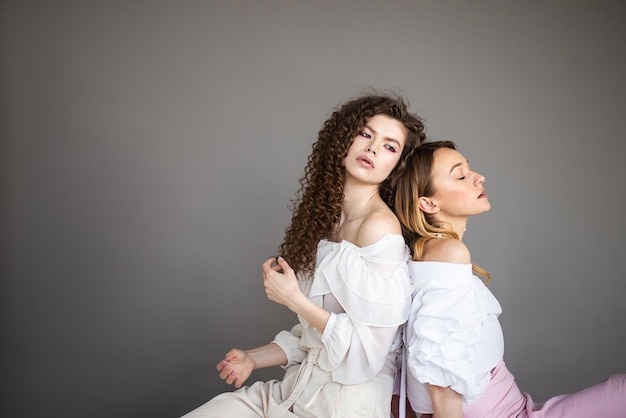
(368, 292)
(453, 337)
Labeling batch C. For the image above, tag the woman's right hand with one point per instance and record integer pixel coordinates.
(236, 367)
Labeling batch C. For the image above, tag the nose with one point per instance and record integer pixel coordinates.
(480, 179)
(371, 149)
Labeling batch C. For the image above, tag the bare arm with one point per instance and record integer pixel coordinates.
(446, 402)
(237, 364)
(267, 356)
(282, 287)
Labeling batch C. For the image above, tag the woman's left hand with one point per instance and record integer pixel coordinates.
(281, 286)
(281, 283)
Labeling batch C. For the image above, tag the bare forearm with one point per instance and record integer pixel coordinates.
(446, 402)
(267, 356)
(281, 286)
(314, 314)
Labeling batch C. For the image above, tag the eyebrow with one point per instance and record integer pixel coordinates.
(456, 165)
(387, 138)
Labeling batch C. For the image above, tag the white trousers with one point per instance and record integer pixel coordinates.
(307, 391)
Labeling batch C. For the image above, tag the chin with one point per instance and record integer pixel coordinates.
(486, 206)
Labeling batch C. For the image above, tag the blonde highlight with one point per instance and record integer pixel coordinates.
(318, 203)
(419, 227)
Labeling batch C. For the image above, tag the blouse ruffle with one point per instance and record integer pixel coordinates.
(453, 335)
(369, 296)
(371, 290)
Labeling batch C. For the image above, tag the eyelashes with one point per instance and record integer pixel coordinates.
(387, 146)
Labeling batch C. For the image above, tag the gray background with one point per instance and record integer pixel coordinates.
(150, 151)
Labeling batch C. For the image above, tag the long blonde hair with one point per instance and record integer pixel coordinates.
(419, 227)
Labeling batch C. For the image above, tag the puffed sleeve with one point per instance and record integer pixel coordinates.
(372, 286)
(289, 341)
(454, 338)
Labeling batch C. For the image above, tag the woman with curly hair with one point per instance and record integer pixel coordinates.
(343, 270)
(454, 346)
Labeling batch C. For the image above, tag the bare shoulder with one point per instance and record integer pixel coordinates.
(448, 250)
(377, 225)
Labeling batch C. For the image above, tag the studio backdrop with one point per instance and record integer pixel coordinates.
(149, 152)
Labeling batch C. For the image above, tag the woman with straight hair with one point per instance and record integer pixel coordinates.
(343, 270)
(453, 356)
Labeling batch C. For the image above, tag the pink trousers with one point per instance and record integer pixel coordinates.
(503, 399)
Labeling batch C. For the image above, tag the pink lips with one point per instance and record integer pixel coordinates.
(482, 194)
(366, 162)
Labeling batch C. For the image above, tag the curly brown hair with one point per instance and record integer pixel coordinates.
(317, 206)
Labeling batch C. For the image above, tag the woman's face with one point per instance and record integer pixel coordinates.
(376, 150)
(459, 191)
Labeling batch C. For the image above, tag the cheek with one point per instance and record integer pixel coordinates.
(450, 199)
(393, 161)
(357, 143)
(460, 197)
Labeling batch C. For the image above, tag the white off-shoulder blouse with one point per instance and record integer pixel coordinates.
(453, 337)
(368, 292)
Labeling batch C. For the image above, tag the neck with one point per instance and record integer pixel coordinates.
(458, 226)
(357, 201)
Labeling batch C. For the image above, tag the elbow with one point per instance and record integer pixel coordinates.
(443, 395)
(437, 393)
